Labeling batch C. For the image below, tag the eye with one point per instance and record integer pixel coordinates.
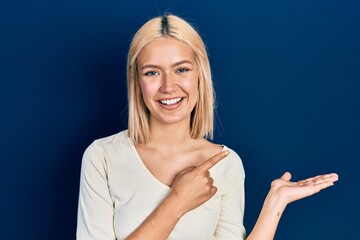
(181, 70)
(150, 73)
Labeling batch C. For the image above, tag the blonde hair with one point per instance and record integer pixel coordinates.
(202, 116)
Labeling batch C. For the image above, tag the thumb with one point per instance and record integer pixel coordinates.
(286, 176)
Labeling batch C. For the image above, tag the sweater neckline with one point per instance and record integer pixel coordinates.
(146, 170)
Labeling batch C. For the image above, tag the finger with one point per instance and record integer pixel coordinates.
(313, 182)
(213, 191)
(286, 176)
(213, 161)
(322, 186)
(211, 181)
(330, 179)
(331, 176)
(320, 181)
(326, 176)
(186, 170)
(207, 174)
(315, 188)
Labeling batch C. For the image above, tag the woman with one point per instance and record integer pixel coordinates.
(161, 178)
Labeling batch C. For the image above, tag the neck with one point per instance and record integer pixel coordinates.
(169, 136)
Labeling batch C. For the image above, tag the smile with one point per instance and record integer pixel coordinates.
(172, 101)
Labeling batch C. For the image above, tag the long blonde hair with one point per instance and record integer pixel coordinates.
(202, 116)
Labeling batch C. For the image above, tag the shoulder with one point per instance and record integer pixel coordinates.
(108, 142)
(232, 163)
(103, 147)
(234, 160)
(213, 148)
(209, 149)
(228, 174)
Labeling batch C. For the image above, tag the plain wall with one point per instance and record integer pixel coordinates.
(287, 79)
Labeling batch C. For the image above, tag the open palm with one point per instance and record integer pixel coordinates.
(292, 191)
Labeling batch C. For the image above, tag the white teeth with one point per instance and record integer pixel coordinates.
(170, 101)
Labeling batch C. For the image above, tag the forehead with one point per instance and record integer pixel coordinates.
(165, 51)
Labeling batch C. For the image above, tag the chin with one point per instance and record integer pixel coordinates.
(173, 120)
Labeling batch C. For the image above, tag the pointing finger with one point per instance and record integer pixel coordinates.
(213, 161)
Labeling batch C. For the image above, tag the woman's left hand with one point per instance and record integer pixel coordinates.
(283, 192)
(291, 191)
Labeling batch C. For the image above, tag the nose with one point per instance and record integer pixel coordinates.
(168, 83)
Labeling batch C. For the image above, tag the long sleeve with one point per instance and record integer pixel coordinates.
(230, 225)
(96, 210)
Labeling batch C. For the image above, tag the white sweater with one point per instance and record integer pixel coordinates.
(118, 192)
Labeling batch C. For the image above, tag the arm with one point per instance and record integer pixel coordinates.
(283, 192)
(95, 211)
(191, 188)
(161, 221)
(230, 224)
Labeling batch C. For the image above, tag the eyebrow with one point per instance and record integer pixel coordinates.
(173, 65)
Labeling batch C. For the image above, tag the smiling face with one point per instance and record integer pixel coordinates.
(168, 80)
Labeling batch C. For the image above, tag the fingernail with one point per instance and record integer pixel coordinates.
(226, 152)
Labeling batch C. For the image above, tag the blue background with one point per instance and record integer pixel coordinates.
(286, 74)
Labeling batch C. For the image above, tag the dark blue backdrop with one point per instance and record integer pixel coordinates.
(287, 77)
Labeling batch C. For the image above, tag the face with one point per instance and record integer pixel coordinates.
(168, 80)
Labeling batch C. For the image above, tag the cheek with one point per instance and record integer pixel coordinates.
(190, 84)
(146, 89)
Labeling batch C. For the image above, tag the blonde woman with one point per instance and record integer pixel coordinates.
(161, 178)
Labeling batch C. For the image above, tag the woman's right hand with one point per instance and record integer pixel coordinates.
(194, 186)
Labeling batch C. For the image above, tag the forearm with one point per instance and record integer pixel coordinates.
(269, 218)
(160, 223)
